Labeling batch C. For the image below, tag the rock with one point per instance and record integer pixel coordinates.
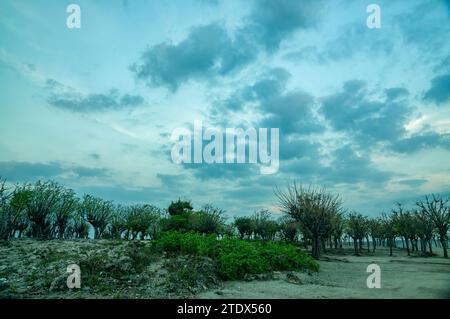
(293, 279)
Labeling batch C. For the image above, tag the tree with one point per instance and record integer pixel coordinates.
(5, 218)
(17, 209)
(140, 218)
(118, 223)
(41, 200)
(337, 229)
(245, 226)
(179, 207)
(288, 229)
(375, 231)
(97, 212)
(425, 227)
(403, 222)
(80, 228)
(313, 209)
(209, 220)
(388, 230)
(264, 227)
(357, 229)
(438, 210)
(65, 207)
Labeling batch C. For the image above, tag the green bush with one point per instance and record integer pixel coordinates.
(235, 257)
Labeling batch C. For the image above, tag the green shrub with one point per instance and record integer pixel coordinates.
(234, 257)
(179, 207)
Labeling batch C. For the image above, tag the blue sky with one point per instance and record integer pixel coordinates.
(363, 112)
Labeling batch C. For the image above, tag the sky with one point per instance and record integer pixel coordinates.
(363, 112)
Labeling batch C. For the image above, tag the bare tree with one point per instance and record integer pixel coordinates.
(404, 225)
(426, 228)
(374, 230)
(388, 230)
(438, 210)
(313, 208)
(357, 229)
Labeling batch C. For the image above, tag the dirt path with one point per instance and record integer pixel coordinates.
(345, 277)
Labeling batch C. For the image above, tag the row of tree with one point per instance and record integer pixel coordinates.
(48, 210)
(321, 219)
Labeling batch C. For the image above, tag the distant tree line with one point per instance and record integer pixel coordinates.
(312, 217)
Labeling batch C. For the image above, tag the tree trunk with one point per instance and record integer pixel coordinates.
(390, 246)
(407, 246)
(316, 248)
(355, 241)
(444, 247)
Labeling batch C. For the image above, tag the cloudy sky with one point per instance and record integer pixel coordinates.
(363, 112)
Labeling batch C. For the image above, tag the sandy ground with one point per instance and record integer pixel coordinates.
(345, 277)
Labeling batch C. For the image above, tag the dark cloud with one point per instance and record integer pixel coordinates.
(123, 195)
(210, 51)
(94, 156)
(306, 169)
(207, 51)
(417, 28)
(291, 112)
(270, 85)
(297, 148)
(234, 171)
(421, 141)
(350, 167)
(93, 102)
(346, 167)
(270, 22)
(439, 92)
(414, 183)
(172, 180)
(396, 93)
(367, 119)
(352, 39)
(26, 171)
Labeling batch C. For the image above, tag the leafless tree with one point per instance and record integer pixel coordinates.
(357, 227)
(438, 210)
(313, 208)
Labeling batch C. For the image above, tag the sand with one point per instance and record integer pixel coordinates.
(346, 276)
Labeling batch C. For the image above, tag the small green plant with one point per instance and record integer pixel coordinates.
(235, 257)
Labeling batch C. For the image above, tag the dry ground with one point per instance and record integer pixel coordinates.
(345, 277)
(37, 269)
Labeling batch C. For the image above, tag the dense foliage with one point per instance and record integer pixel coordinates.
(234, 257)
